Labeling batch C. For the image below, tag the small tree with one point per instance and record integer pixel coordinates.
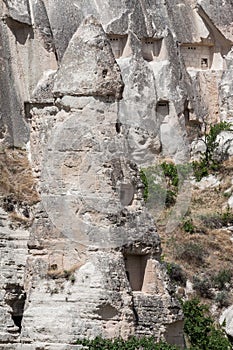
(200, 328)
(210, 140)
(208, 160)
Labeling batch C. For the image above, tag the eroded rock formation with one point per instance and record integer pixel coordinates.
(91, 92)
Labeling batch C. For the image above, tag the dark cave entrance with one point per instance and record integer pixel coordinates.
(135, 270)
(15, 297)
(162, 109)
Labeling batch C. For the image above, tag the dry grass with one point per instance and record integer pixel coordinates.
(21, 219)
(215, 244)
(210, 221)
(56, 273)
(17, 181)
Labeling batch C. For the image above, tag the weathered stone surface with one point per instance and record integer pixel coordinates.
(209, 181)
(226, 90)
(43, 92)
(88, 66)
(64, 18)
(102, 213)
(93, 264)
(11, 107)
(19, 10)
(227, 319)
(225, 145)
(23, 59)
(12, 297)
(42, 24)
(37, 345)
(220, 12)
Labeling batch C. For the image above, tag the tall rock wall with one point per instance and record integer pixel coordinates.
(91, 92)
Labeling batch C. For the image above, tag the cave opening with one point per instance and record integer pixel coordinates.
(15, 297)
(162, 108)
(135, 270)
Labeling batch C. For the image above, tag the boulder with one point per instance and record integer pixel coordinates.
(226, 319)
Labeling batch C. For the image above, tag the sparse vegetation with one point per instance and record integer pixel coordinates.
(170, 172)
(218, 219)
(155, 190)
(202, 244)
(222, 299)
(222, 278)
(188, 225)
(203, 286)
(176, 273)
(220, 281)
(200, 170)
(192, 253)
(161, 183)
(69, 274)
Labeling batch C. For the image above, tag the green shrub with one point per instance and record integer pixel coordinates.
(222, 278)
(170, 198)
(176, 273)
(200, 328)
(200, 169)
(132, 343)
(208, 161)
(161, 183)
(170, 171)
(155, 191)
(176, 174)
(226, 217)
(203, 287)
(188, 225)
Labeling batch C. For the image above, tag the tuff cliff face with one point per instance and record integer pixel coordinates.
(91, 92)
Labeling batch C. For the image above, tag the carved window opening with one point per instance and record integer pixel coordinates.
(151, 48)
(162, 108)
(118, 43)
(204, 63)
(198, 56)
(118, 126)
(107, 311)
(135, 270)
(21, 31)
(126, 193)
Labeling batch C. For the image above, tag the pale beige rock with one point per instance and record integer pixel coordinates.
(12, 295)
(227, 319)
(90, 187)
(93, 255)
(88, 66)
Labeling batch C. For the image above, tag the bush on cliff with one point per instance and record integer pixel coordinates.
(132, 343)
(200, 329)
